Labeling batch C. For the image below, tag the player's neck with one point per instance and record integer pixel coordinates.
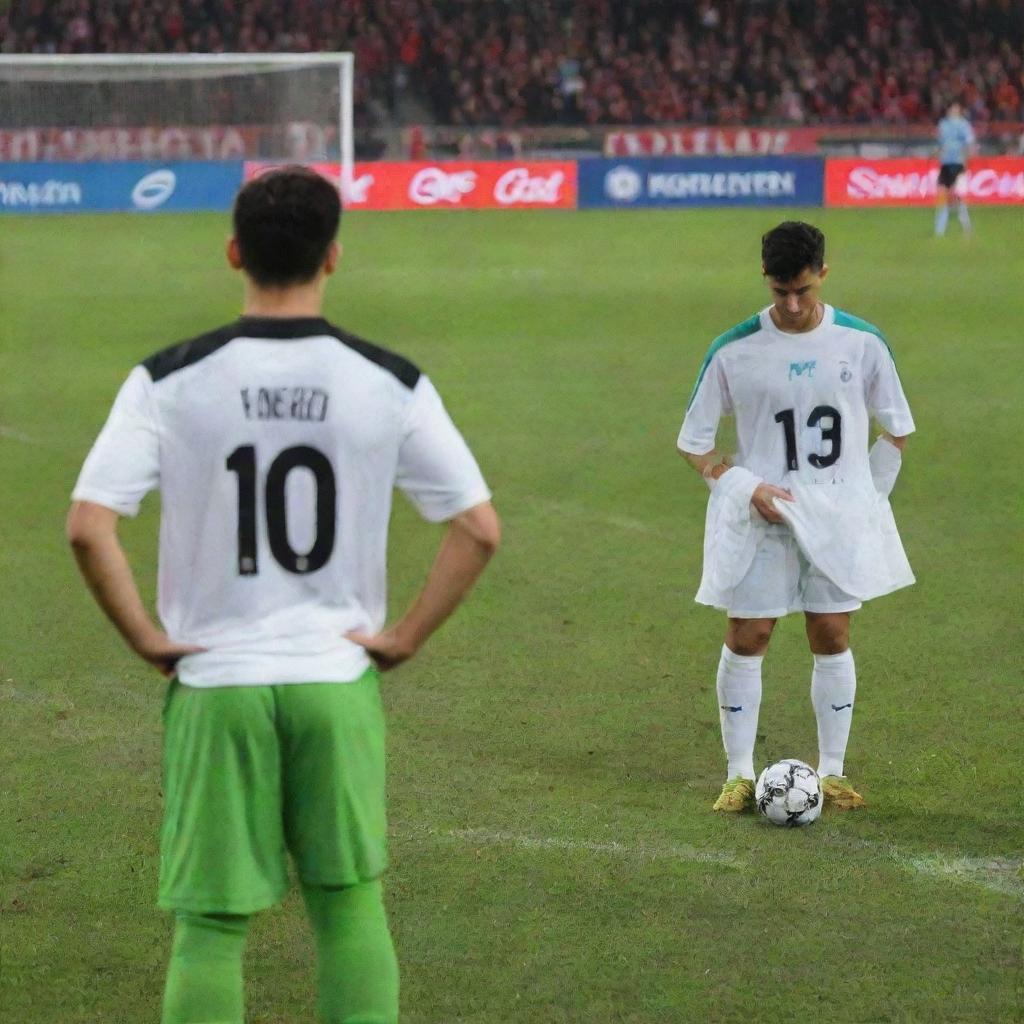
(813, 321)
(305, 300)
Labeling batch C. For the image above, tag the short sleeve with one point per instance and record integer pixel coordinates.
(124, 463)
(709, 402)
(436, 469)
(885, 398)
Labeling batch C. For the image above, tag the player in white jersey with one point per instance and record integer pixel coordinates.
(276, 442)
(956, 143)
(800, 520)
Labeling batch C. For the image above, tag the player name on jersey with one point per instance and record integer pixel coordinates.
(285, 403)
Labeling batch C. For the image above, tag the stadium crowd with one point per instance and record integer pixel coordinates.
(510, 63)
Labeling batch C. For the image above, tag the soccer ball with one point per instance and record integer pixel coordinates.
(789, 793)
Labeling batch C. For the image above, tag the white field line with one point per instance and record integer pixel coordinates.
(631, 851)
(628, 523)
(17, 435)
(503, 272)
(1000, 874)
(1004, 875)
(997, 874)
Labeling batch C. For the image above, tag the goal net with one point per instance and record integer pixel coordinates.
(294, 107)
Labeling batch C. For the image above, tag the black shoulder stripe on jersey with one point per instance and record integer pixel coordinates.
(407, 372)
(187, 353)
(176, 357)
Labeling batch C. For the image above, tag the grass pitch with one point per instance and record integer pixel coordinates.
(554, 752)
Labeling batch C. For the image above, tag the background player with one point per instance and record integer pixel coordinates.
(956, 144)
(796, 524)
(276, 442)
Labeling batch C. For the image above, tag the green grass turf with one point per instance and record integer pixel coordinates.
(555, 751)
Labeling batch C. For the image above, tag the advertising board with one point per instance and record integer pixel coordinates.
(736, 181)
(460, 185)
(144, 187)
(711, 141)
(861, 183)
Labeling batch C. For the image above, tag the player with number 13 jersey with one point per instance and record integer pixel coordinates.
(799, 520)
(802, 402)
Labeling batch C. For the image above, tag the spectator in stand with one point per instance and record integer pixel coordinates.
(416, 143)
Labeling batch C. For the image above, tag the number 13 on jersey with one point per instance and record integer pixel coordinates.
(832, 433)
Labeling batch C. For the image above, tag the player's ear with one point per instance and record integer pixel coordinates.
(823, 273)
(234, 254)
(332, 258)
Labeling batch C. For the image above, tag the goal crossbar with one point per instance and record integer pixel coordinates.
(42, 59)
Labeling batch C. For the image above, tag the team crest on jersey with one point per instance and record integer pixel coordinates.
(845, 374)
(802, 369)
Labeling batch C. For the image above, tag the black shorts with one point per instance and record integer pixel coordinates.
(948, 173)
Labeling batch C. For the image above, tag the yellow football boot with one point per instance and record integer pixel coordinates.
(840, 794)
(737, 795)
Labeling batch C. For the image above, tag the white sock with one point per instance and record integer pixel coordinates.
(941, 220)
(963, 216)
(833, 686)
(739, 701)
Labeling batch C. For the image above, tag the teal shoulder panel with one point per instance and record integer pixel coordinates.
(749, 326)
(844, 319)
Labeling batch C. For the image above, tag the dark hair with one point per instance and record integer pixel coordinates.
(790, 248)
(285, 221)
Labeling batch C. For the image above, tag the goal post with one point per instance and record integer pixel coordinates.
(274, 107)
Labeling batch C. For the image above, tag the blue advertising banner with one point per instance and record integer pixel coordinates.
(132, 186)
(702, 181)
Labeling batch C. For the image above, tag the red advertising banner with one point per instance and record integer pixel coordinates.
(481, 185)
(913, 182)
(212, 142)
(712, 142)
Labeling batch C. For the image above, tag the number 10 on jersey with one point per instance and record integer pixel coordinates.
(242, 461)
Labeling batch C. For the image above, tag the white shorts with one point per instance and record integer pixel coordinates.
(781, 580)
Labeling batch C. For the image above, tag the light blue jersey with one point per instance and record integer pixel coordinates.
(955, 137)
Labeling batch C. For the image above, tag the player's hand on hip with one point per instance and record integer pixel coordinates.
(387, 649)
(762, 501)
(163, 653)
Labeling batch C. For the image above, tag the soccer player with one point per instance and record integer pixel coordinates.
(956, 143)
(800, 521)
(276, 442)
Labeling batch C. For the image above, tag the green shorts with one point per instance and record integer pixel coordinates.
(250, 771)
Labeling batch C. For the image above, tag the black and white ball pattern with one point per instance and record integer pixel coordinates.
(789, 793)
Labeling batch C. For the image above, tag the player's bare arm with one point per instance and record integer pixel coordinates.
(92, 533)
(471, 539)
(712, 464)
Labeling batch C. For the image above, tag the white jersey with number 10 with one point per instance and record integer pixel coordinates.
(276, 445)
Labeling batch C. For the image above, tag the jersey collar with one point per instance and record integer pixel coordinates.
(827, 320)
(283, 327)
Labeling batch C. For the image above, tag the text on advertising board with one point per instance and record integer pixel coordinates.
(46, 187)
(700, 181)
(480, 185)
(856, 182)
(712, 142)
(297, 140)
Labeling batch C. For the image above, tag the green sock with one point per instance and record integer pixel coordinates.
(357, 973)
(204, 976)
